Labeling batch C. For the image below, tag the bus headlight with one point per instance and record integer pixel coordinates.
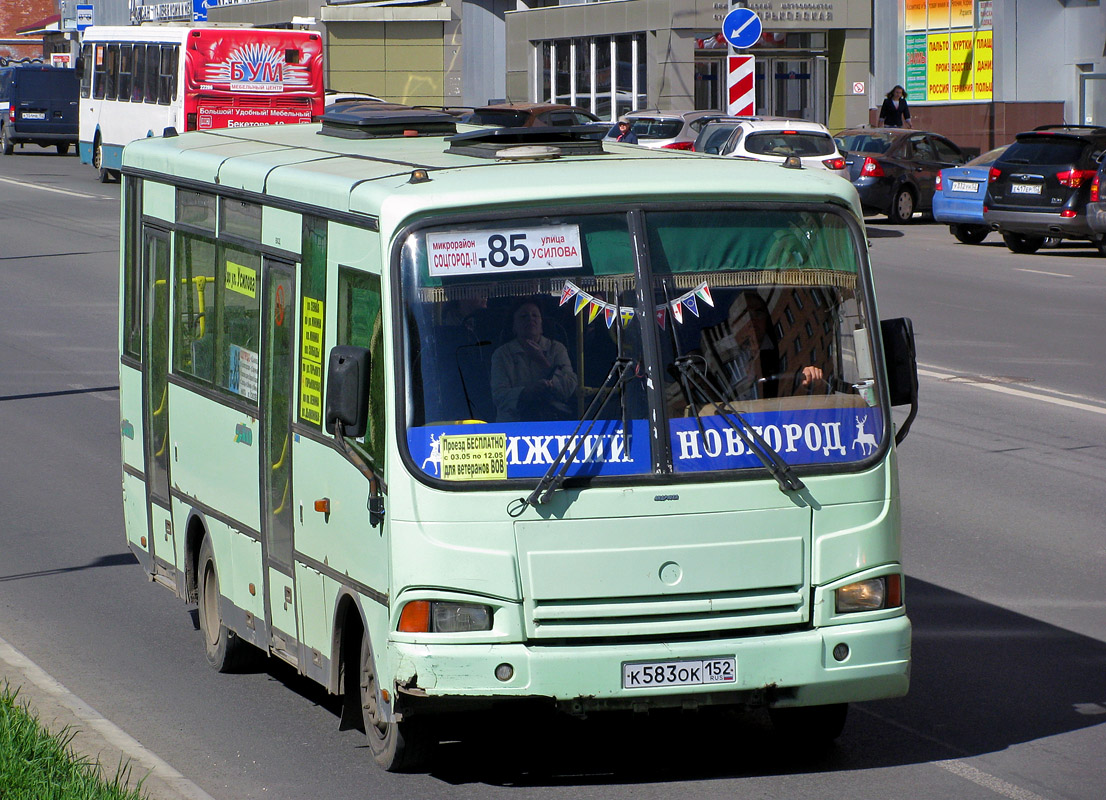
(870, 595)
(440, 616)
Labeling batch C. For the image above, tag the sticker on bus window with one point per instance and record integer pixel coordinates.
(801, 436)
(491, 252)
(241, 279)
(243, 372)
(311, 361)
(473, 456)
(528, 449)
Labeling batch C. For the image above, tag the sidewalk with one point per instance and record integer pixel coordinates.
(94, 736)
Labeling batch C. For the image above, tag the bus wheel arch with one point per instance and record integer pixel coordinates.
(224, 651)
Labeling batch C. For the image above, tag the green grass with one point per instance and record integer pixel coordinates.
(38, 765)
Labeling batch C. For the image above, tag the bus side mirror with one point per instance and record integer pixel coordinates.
(902, 367)
(347, 390)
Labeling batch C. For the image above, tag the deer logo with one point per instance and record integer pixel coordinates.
(864, 440)
(435, 457)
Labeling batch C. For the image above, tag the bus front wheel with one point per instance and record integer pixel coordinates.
(224, 651)
(397, 746)
(98, 161)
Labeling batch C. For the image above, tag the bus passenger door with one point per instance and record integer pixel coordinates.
(155, 268)
(276, 458)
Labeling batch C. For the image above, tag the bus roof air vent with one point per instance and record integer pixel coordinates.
(536, 143)
(385, 121)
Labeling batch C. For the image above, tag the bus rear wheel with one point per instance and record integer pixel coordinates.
(224, 651)
(397, 746)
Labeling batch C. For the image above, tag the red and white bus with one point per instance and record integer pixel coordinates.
(138, 81)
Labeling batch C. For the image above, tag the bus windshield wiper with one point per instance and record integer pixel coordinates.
(695, 381)
(554, 477)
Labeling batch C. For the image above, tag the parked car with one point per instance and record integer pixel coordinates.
(529, 115)
(332, 97)
(1042, 185)
(958, 197)
(38, 105)
(671, 130)
(895, 169)
(1096, 203)
(772, 139)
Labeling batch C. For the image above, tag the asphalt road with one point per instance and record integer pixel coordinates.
(1005, 546)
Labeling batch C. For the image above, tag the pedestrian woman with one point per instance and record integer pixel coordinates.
(894, 113)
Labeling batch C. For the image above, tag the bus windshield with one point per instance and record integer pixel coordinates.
(756, 318)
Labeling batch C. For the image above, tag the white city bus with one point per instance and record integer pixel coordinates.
(138, 81)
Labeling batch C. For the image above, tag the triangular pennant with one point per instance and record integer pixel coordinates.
(593, 311)
(689, 301)
(660, 316)
(677, 311)
(703, 291)
(627, 315)
(609, 314)
(569, 290)
(582, 299)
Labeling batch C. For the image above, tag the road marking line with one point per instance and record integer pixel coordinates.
(1042, 272)
(981, 778)
(115, 735)
(69, 192)
(968, 380)
(955, 765)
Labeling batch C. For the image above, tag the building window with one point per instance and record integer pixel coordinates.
(604, 74)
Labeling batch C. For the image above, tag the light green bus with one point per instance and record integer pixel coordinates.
(449, 420)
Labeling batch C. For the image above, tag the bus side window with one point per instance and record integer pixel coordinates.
(138, 85)
(126, 70)
(99, 69)
(167, 85)
(153, 72)
(238, 289)
(360, 323)
(86, 71)
(111, 72)
(194, 307)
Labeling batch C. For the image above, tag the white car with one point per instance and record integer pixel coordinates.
(772, 139)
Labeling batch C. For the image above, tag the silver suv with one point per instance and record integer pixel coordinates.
(772, 139)
(671, 130)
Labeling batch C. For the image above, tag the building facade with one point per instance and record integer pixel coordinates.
(981, 71)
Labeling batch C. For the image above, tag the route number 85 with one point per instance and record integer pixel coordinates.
(500, 252)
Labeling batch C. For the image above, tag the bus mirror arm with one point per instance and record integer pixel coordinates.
(902, 368)
(347, 411)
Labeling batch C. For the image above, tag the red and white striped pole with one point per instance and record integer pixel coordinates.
(742, 99)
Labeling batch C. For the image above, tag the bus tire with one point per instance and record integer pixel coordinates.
(224, 651)
(810, 726)
(397, 746)
(98, 161)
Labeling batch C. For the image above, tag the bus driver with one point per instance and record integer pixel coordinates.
(531, 376)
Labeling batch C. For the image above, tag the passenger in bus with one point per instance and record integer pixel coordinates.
(463, 358)
(756, 366)
(531, 376)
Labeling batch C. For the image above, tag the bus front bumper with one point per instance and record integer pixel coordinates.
(792, 669)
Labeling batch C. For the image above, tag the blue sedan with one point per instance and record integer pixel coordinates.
(958, 197)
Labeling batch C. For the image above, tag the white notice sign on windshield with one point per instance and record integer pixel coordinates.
(493, 252)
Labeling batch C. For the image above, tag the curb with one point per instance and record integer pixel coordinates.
(94, 736)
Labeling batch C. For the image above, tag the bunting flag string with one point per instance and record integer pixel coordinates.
(611, 312)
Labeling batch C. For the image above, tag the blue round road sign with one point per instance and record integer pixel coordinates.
(742, 28)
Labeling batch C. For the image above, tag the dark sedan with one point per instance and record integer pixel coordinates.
(895, 169)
